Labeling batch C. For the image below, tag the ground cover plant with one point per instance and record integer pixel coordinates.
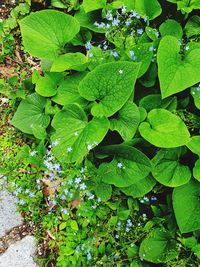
(109, 164)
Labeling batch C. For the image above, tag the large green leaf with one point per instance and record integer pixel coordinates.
(31, 112)
(127, 121)
(47, 85)
(186, 206)
(196, 170)
(91, 5)
(176, 72)
(192, 27)
(67, 92)
(194, 144)
(45, 32)
(110, 85)
(149, 8)
(167, 168)
(142, 53)
(140, 188)
(171, 27)
(128, 166)
(88, 20)
(164, 129)
(74, 135)
(195, 92)
(70, 61)
(159, 246)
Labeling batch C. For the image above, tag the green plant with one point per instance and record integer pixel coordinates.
(118, 97)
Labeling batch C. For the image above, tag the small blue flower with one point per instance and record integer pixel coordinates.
(140, 31)
(63, 197)
(31, 194)
(83, 186)
(88, 46)
(65, 211)
(127, 22)
(115, 22)
(89, 256)
(21, 202)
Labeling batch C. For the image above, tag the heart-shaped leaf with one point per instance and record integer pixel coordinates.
(75, 136)
(47, 85)
(164, 129)
(45, 32)
(140, 188)
(186, 206)
(110, 85)
(149, 8)
(194, 144)
(176, 72)
(69, 61)
(67, 92)
(31, 112)
(168, 170)
(159, 246)
(128, 166)
(89, 5)
(127, 121)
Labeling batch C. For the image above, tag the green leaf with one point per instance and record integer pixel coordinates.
(153, 101)
(45, 32)
(90, 5)
(87, 20)
(31, 112)
(103, 191)
(192, 27)
(164, 129)
(168, 170)
(110, 85)
(149, 8)
(194, 144)
(171, 27)
(47, 85)
(143, 54)
(195, 92)
(74, 135)
(67, 92)
(176, 72)
(150, 77)
(70, 61)
(98, 57)
(127, 121)
(196, 170)
(128, 166)
(159, 246)
(186, 206)
(140, 188)
(38, 131)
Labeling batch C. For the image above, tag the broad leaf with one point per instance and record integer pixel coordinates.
(150, 102)
(110, 85)
(195, 92)
(90, 5)
(103, 191)
(171, 27)
(194, 144)
(149, 8)
(74, 135)
(70, 61)
(67, 92)
(192, 27)
(186, 206)
(128, 166)
(140, 188)
(88, 20)
(45, 32)
(142, 53)
(196, 170)
(159, 246)
(127, 121)
(168, 170)
(31, 112)
(47, 85)
(164, 129)
(176, 72)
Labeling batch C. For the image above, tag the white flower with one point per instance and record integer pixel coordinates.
(119, 165)
(69, 149)
(33, 153)
(120, 71)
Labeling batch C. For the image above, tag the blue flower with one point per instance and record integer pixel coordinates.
(83, 186)
(88, 46)
(65, 211)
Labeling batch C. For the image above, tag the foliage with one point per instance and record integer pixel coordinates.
(114, 115)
